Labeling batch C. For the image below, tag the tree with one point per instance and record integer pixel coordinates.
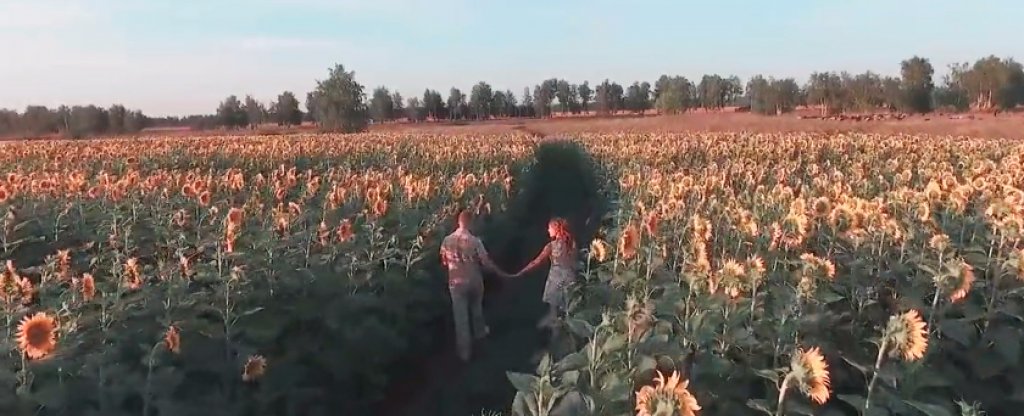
(135, 121)
(564, 94)
(37, 120)
(311, 107)
(115, 119)
(87, 120)
(772, 96)
(9, 120)
(433, 104)
(991, 82)
(586, 94)
(339, 102)
(825, 89)
(414, 110)
(865, 90)
(397, 105)
(917, 84)
(528, 107)
(511, 104)
(638, 97)
(544, 95)
(499, 105)
(892, 93)
(230, 113)
(456, 104)
(673, 94)
(382, 108)
(715, 92)
(254, 111)
(480, 100)
(286, 110)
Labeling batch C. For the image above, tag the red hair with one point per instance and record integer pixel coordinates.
(561, 227)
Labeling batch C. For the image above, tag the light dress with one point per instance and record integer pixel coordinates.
(560, 276)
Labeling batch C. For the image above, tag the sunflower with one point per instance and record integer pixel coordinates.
(629, 242)
(132, 276)
(965, 279)
(172, 339)
(344, 231)
(666, 398)
(908, 334)
(598, 249)
(88, 287)
(37, 335)
(254, 368)
(939, 242)
(731, 275)
(204, 198)
(811, 372)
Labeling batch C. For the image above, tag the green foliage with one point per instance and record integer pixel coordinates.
(231, 114)
(674, 94)
(772, 96)
(917, 84)
(339, 102)
(382, 107)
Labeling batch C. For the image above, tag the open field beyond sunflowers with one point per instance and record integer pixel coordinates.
(731, 273)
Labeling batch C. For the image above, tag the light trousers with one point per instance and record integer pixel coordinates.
(467, 309)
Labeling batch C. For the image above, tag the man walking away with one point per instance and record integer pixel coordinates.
(463, 254)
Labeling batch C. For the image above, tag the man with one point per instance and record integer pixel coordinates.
(463, 254)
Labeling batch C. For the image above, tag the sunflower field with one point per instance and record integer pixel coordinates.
(734, 274)
(234, 276)
(796, 274)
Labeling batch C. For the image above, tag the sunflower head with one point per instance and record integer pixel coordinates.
(629, 242)
(908, 335)
(598, 250)
(37, 335)
(172, 339)
(939, 242)
(810, 371)
(88, 287)
(254, 368)
(667, 397)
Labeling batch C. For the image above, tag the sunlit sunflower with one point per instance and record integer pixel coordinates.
(344, 231)
(939, 242)
(254, 368)
(964, 280)
(811, 373)
(37, 335)
(172, 339)
(88, 287)
(598, 249)
(908, 335)
(666, 398)
(629, 242)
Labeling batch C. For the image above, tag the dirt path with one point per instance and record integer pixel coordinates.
(442, 385)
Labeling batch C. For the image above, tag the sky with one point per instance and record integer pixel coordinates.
(179, 57)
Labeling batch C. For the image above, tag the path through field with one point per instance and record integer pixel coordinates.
(442, 385)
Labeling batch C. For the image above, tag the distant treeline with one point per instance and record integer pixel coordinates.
(74, 122)
(340, 103)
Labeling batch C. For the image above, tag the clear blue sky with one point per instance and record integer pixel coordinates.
(175, 57)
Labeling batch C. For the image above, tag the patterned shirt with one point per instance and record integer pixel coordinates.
(463, 253)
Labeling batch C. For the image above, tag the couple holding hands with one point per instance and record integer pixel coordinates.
(464, 255)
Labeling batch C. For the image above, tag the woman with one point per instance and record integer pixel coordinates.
(561, 250)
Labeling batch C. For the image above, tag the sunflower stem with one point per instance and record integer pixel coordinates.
(149, 379)
(782, 393)
(874, 374)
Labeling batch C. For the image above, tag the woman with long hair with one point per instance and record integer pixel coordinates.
(561, 251)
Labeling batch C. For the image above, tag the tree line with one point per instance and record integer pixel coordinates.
(73, 122)
(340, 103)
